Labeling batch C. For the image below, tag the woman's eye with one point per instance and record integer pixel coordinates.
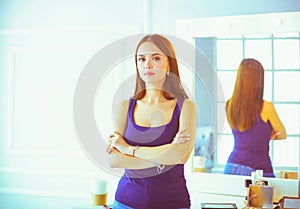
(156, 58)
(141, 59)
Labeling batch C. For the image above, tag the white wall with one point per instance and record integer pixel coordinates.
(44, 46)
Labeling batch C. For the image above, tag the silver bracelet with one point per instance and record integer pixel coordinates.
(135, 148)
(159, 167)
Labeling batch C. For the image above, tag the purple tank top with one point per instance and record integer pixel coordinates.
(145, 188)
(251, 147)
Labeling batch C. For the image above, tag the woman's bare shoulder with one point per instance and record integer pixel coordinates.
(189, 104)
(267, 110)
(121, 105)
(267, 105)
(124, 103)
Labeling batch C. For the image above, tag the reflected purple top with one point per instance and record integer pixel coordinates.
(145, 188)
(251, 147)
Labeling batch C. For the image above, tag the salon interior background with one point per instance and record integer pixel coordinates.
(43, 48)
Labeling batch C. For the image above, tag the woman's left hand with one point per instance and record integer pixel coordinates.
(118, 142)
(181, 137)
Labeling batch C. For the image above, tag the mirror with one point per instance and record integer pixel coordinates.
(273, 39)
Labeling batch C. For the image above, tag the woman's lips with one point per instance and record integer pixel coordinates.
(148, 73)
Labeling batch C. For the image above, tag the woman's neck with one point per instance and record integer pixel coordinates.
(154, 96)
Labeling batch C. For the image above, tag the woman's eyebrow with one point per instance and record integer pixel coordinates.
(154, 54)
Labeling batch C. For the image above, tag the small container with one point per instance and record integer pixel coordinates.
(199, 164)
(257, 177)
(253, 177)
(259, 174)
(99, 191)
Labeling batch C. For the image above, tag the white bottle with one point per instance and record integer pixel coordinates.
(257, 177)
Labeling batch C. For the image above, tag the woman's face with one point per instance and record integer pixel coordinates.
(152, 64)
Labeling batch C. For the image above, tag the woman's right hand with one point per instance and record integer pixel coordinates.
(117, 141)
(274, 135)
(181, 137)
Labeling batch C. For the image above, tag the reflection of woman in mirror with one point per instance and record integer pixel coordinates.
(155, 133)
(253, 121)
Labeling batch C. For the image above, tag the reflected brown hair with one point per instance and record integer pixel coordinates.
(245, 105)
(172, 87)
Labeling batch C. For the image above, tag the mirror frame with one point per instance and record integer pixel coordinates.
(189, 29)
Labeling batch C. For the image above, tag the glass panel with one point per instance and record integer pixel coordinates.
(285, 35)
(289, 115)
(230, 37)
(229, 54)
(262, 35)
(287, 86)
(260, 50)
(224, 146)
(226, 82)
(268, 86)
(286, 54)
(223, 126)
(285, 152)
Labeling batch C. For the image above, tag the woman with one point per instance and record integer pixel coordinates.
(253, 121)
(155, 136)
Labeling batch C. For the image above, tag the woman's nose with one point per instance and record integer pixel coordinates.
(148, 64)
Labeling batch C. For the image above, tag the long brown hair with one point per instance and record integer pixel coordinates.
(172, 87)
(246, 102)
